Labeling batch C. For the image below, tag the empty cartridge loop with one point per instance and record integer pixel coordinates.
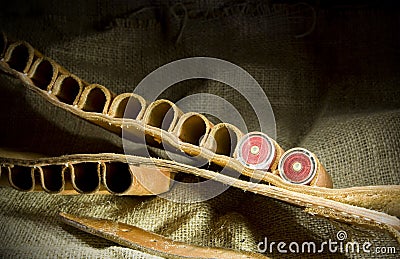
(86, 176)
(223, 139)
(19, 56)
(68, 88)
(95, 98)
(52, 178)
(162, 114)
(43, 73)
(22, 178)
(193, 128)
(128, 106)
(117, 177)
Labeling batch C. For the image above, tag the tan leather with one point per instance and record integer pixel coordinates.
(337, 204)
(137, 106)
(43, 73)
(69, 175)
(67, 88)
(149, 242)
(149, 125)
(193, 128)
(20, 55)
(322, 178)
(278, 154)
(158, 111)
(353, 205)
(152, 114)
(223, 139)
(95, 98)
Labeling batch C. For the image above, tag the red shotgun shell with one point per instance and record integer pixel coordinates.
(298, 166)
(256, 151)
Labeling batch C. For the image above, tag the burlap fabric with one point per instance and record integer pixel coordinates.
(332, 85)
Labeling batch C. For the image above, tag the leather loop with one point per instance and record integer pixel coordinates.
(149, 242)
(348, 205)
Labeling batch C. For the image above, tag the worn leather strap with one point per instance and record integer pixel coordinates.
(190, 132)
(149, 242)
(98, 105)
(72, 175)
(324, 204)
(385, 201)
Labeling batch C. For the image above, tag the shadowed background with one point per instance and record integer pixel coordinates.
(330, 71)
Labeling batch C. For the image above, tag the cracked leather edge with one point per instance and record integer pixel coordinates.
(383, 198)
(314, 205)
(151, 243)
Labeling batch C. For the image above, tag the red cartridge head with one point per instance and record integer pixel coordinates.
(298, 166)
(256, 150)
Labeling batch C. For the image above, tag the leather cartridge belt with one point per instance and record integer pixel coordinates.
(295, 176)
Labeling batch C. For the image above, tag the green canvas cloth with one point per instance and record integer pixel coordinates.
(334, 91)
